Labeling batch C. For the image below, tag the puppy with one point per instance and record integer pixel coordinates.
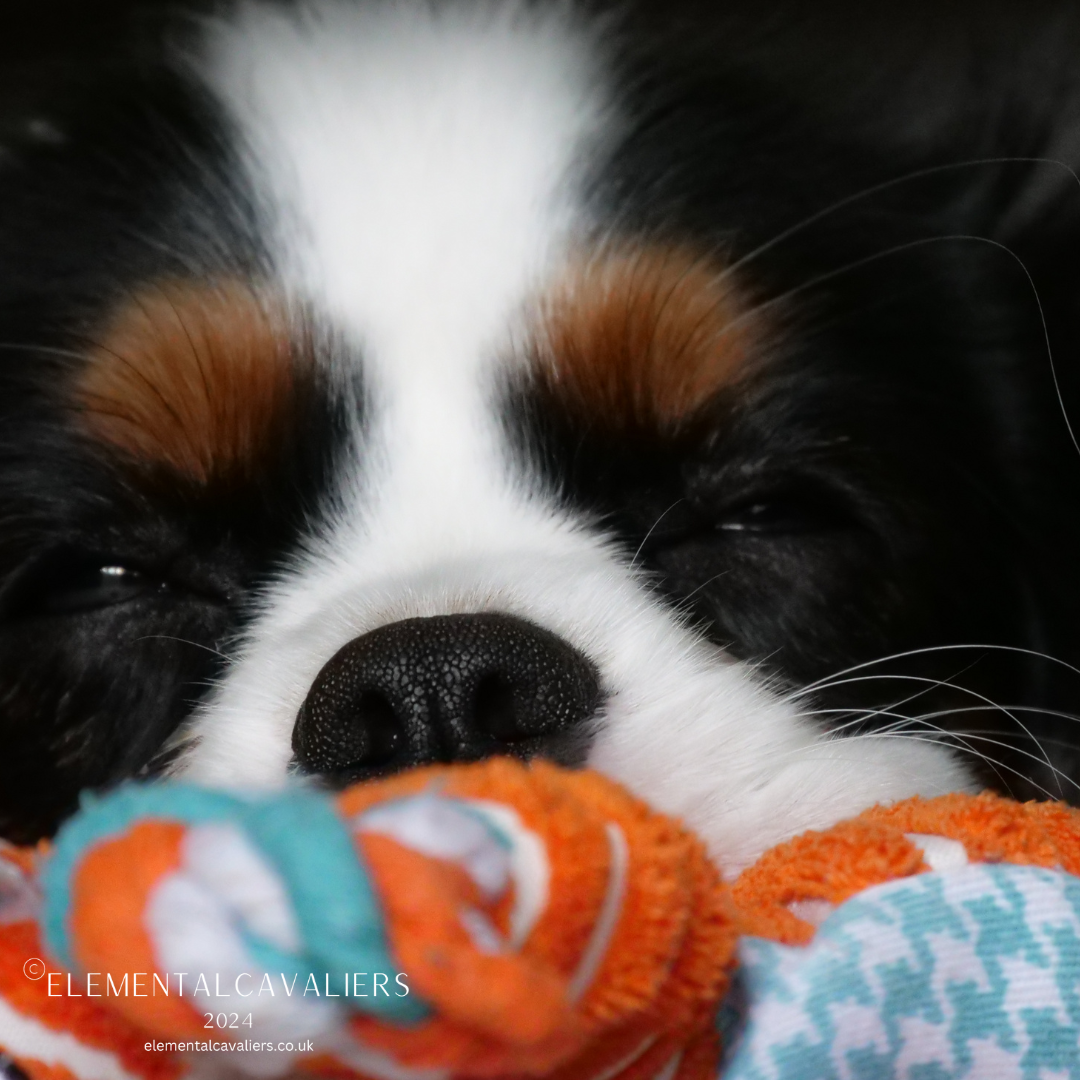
(677, 391)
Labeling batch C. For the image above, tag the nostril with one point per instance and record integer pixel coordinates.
(376, 719)
(495, 712)
(365, 734)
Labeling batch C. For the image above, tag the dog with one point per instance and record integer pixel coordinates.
(682, 390)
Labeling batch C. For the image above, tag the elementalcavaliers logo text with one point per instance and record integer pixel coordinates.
(242, 1046)
(356, 984)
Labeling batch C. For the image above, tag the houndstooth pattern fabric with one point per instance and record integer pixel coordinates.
(970, 973)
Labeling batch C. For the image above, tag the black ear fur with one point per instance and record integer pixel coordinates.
(116, 173)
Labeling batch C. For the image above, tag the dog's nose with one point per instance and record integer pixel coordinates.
(445, 688)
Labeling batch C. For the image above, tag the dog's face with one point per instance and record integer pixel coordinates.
(391, 382)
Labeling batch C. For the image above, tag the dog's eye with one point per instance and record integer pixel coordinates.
(705, 518)
(93, 587)
(782, 513)
(63, 584)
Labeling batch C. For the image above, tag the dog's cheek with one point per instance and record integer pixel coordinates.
(85, 702)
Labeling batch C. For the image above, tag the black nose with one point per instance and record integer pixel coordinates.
(446, 688)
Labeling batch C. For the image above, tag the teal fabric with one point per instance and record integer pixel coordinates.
(302, 838)
(335, 905)
(971, 973)
(102, 817)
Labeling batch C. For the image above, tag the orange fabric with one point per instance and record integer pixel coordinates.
(837, 863)
(326, 1067)
(993, 829)
(832, 865)
(481, 1022)
(675, 934)
(109, 892)
(643, 1055)
(89, 1020)
(701, 1058)
(508, 1014)
(663, 970)
(572, 831)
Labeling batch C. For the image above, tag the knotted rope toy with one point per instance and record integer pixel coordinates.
(504, 920)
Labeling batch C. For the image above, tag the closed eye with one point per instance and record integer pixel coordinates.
(773, 512)
(784, 513)
(68, 582)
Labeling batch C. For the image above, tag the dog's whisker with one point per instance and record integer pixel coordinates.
(184, 641)
(833, 751)
(939, 683)
(704, 585)
(995, 764)
(903, 725)
(859, 721)
(962, 740)
(876, 189)
(1036, 709)
(652, 529)
(931, 649)
(890, 708)
(886, 185)
(885, 676)
(754, 312)
(858, 715)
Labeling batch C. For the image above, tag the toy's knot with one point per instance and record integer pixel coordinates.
(207, 897)
(486, 919)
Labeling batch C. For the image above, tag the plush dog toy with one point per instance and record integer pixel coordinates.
(503, 920)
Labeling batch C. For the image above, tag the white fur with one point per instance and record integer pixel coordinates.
(420, 173)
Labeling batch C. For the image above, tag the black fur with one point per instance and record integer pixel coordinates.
(900, 476)
(126, 180)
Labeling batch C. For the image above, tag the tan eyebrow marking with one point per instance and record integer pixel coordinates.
(642, 338)
(201, 379)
